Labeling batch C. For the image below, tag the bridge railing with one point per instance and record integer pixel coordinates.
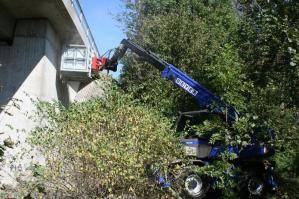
(86, 28)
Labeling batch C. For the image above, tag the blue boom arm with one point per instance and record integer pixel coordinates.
(203, 96)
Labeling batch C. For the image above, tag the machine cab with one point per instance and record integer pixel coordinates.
(195, 146)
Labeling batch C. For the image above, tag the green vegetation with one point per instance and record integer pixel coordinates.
(100, 148)
(249, 58)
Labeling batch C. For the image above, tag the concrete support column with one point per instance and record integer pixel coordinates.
(28, 72)
(73, 88)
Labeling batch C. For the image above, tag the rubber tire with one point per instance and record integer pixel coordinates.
(180, 184)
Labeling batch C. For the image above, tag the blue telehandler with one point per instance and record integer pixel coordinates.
(256, 171)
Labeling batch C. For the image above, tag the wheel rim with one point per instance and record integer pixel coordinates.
(193, 185)
(255, 187)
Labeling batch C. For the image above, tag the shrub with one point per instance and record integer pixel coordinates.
(100, 147)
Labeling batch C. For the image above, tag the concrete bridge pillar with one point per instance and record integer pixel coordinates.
(34, 34)
(28, 71)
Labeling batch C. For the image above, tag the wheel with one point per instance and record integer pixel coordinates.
(192, 185)
(255, 187)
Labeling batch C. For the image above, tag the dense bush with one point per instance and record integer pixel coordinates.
(249, 57)
(193, 36)
(100, 148)
(269, 44)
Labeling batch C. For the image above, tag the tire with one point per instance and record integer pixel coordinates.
(192, 185)
(251, 186)
(255, 187)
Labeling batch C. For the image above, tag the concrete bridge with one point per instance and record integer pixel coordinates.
(45, 52)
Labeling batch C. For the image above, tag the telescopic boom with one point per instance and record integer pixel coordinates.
(203, 96)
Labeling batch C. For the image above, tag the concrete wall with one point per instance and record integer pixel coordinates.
(7, 24)
(28, 71)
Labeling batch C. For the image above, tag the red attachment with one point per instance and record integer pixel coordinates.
(95, 63)
(98, 63)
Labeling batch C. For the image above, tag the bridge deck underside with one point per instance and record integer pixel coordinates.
(53, 10)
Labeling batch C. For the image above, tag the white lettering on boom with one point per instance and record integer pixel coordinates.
(186, 87)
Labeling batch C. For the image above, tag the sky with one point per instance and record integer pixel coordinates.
(106, 31)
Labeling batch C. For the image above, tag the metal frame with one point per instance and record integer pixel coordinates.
(76, 73)
(79, 11)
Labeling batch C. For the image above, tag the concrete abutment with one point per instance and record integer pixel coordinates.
(28, 73)
(34, 35)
